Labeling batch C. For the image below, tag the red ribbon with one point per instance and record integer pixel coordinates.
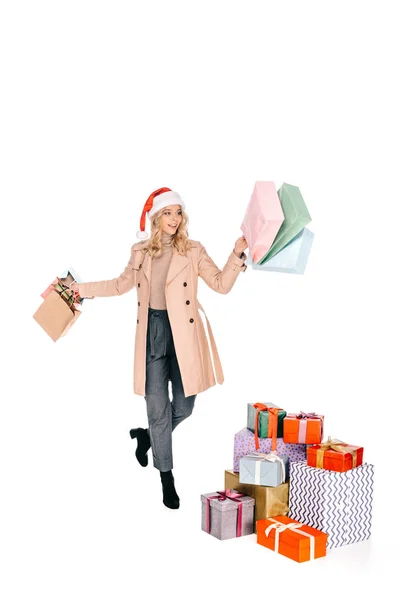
(272, 423)
(235, 496)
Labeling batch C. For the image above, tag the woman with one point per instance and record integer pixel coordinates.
(170, 342)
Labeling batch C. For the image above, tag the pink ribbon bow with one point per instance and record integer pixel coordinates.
(304, 415)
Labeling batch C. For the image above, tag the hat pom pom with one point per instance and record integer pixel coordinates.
(142, 235)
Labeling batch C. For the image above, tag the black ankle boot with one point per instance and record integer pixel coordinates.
(170, 497)
(143, 444)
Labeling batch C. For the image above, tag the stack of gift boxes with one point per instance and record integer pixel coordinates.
(300, 495)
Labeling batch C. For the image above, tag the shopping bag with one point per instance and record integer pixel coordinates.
(296, 218)
(292, 258)
(57, 313)
(263, 219)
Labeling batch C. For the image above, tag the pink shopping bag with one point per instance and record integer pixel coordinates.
(263, 219)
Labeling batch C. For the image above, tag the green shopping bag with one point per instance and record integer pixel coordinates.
(296, 218)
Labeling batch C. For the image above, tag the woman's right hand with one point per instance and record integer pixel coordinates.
(74, 287)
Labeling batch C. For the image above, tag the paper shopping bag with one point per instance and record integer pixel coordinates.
(263, 219)
(292, 258)
(296, 218)
(56, 315)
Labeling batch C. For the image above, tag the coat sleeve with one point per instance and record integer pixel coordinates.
(220, 281)
(112, 287)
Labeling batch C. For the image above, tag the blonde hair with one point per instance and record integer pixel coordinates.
(180, 239)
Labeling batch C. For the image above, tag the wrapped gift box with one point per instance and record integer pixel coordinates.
(338, 503)
(303, 428)
(227, 514)
(296, 218)
(294, 540)
(263, 419)
(263, 219)
(269, 501)
(263, 469)
(335, 455)
(245, 444)
(292, 258)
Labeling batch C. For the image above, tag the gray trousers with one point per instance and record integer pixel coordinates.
(161, 366)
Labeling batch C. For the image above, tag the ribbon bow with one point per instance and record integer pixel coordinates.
(282, 527)
(272, 423)
(304, 415)
(272, 457)
(221, 496)
(231, 494)
(336, 446)
(293, 526)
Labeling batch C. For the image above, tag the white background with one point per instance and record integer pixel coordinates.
(103, 102)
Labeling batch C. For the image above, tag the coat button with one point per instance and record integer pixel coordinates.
(187, 301)
(137, 321)
(191, 320)
(185, 284)
(138, 284)
(138, 303)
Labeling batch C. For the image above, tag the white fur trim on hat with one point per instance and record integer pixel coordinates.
(142, 235)
(163, 200)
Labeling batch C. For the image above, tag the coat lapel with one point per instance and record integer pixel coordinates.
(177, 264)
(146, 266)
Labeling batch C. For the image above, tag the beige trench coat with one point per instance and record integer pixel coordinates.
(190, 340)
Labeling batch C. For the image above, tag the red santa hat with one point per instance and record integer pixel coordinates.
(156, 201)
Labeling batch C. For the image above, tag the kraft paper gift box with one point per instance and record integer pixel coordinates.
(56, 315)
(244, 443)
(303, 428)
(258, 413)
(264, 469)
(296, 218)
(227, 514)
(294, 540)
(263, 219)
(269, 501)
(338, 503)
(292, 258)
(335, 455)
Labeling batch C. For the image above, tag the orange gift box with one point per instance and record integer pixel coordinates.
(303, 428)
(335, 455)
(291, 538)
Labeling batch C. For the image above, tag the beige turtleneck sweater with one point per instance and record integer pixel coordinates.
(159, 271)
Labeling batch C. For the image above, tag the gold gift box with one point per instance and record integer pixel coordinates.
(270, 501)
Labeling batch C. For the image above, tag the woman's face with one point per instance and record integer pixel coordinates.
(171, 218)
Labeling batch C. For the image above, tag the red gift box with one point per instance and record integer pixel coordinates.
(335, 455)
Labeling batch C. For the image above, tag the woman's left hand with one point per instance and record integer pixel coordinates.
(240, 245)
